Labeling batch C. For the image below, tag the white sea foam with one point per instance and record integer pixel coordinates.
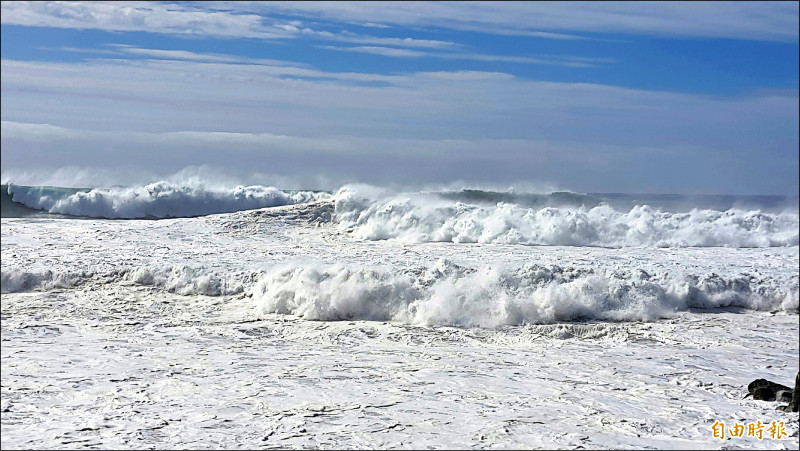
(374, 214)
(19, 280)
(179, 279)
(157, 200)
(447, 294)
(132, 318)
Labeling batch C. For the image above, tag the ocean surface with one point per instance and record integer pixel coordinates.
(181, 316)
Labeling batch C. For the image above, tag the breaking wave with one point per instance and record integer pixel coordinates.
(465, 216)
(179, 279)
(373, 214)
(154, 201)
(447, 294)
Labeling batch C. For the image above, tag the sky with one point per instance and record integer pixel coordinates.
(629, 97)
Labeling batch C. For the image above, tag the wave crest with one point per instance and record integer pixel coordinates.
(447, 294)
(374, 215)
(156, 200)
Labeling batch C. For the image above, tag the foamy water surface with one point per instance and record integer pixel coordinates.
(367, 318)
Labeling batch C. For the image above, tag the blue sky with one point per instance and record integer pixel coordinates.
(597, 97)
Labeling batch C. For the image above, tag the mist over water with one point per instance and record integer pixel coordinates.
(675, 203)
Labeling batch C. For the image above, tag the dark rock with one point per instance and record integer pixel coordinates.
(767, 385)
(794, 405)
(764, 390)
(796, 395)
(763, 394)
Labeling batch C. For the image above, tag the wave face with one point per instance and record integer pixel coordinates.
(447, 294)
(373, 214)
(12, 209)
(154, 201)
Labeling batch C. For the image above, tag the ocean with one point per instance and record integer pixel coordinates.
(175, 315)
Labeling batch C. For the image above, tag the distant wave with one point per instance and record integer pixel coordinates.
(676, 203)
(465, 216)
(566, 219)
(155, 201)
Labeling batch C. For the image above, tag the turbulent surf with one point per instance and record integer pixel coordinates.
(373, 296)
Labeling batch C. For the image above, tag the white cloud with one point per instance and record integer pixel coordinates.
(121, 49)
(383, 51)
(163, 113)
(238, 141)
(738, 20)
(350, 37)
(113, 90)
(182, 20)
(137, 16)
(167, 107)
(776, 21)
(178, 54)
(563, 60)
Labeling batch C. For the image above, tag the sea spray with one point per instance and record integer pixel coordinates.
(372, 214)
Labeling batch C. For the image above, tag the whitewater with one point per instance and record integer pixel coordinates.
(176, 315)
